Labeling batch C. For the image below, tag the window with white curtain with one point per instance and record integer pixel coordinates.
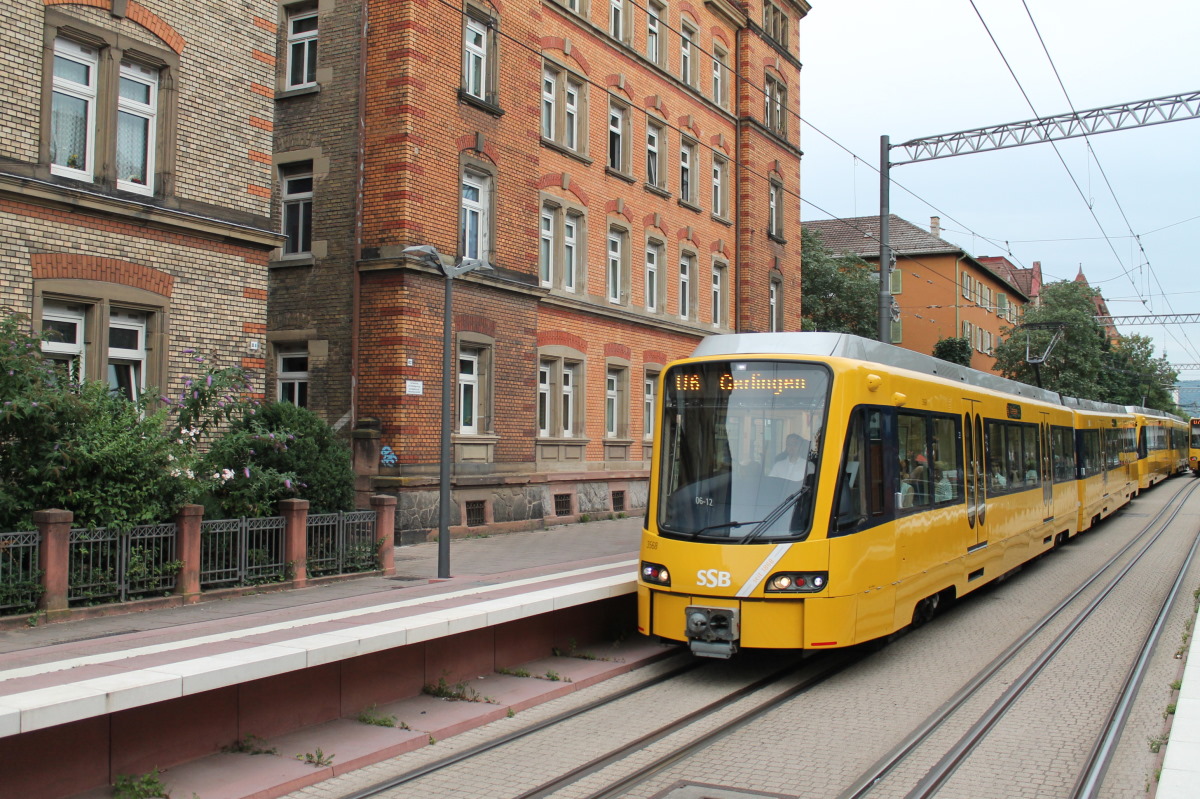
(137, 115)
(73, 110)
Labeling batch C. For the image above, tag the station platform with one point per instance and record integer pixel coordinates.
(525, 617)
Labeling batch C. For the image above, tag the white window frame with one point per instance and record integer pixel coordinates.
(718, 187)
(686, 263)
(775, 109)
(654, 147)
(468, 391)
(773, 307)
(571, 92)
(719, 87)
(549, 103)
(653, 257)
(89, 58)
(718, 294)
(292, 384)
(545, 410)
(562, 98)
(296, 200)
(475, 58)
(654, 48)
(687, 157)
(302, 49)
(686, 63)
(616, 19)
(133, 359)
(775, 209)
(474, 211)
(966, 286)
(546, 246)
(571, 223)
(73, 353)
(649, 403)
(612, 400)
(570, 372)
(618, 123)
(614, 253)
(148, 114)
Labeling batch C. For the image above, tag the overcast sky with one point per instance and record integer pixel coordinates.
(922, 68)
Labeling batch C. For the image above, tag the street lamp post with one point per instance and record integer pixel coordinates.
(431, 256)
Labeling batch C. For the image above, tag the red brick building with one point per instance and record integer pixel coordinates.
(135, 183)
(629, 171)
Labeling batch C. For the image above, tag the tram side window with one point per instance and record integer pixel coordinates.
(912, 434)
(1064, 453)
(1087, 448)
(1112, 449)
(1031, 455)
(995, 439)
(947, 460)
(1013, 455)
(860, 494)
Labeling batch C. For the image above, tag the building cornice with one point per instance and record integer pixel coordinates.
(79, 200)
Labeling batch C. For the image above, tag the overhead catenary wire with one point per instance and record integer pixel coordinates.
(1091, 210)
(1099, 166)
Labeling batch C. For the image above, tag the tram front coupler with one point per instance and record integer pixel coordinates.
(712, 632)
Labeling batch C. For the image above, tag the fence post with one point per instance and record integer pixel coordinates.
(385, 531)
(187, 549)
(295, 539)
(54, 559)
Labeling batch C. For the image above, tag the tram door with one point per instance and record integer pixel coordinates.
(1047, 468)
(974, 475)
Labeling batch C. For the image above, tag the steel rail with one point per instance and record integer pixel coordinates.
(1089, 782)
(886, 764)
(949, 763)
(838, 662)
(429, 768)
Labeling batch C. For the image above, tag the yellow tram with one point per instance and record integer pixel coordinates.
(817, 490)
(1194, 446)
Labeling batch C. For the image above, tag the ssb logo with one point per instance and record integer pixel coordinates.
(711, 578)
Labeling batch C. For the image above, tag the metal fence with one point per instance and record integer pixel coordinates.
(20, 578)
(340, 543)
(116, 566)
(242, 552)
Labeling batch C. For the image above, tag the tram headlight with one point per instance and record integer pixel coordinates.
(655, 573)
(796, 582)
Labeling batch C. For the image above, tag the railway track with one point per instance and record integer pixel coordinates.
(677, 724)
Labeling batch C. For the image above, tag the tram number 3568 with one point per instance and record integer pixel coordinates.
(711, 578)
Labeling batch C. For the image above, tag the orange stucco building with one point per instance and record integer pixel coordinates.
(940, 290)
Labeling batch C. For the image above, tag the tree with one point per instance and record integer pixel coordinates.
(1073, 367)
(955, 350)
(1133, 376)
(840, 292)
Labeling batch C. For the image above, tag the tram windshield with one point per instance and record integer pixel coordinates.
(740, 446)
(1195, 433)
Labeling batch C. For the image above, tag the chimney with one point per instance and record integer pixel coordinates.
(935, 226)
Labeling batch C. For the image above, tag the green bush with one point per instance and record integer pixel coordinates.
(275, 451)
(74, 446)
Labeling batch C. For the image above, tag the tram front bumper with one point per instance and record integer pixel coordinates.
(712, 631)
(760, 623)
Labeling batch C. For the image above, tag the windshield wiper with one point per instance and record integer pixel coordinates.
(774, 515)
(717, 526)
